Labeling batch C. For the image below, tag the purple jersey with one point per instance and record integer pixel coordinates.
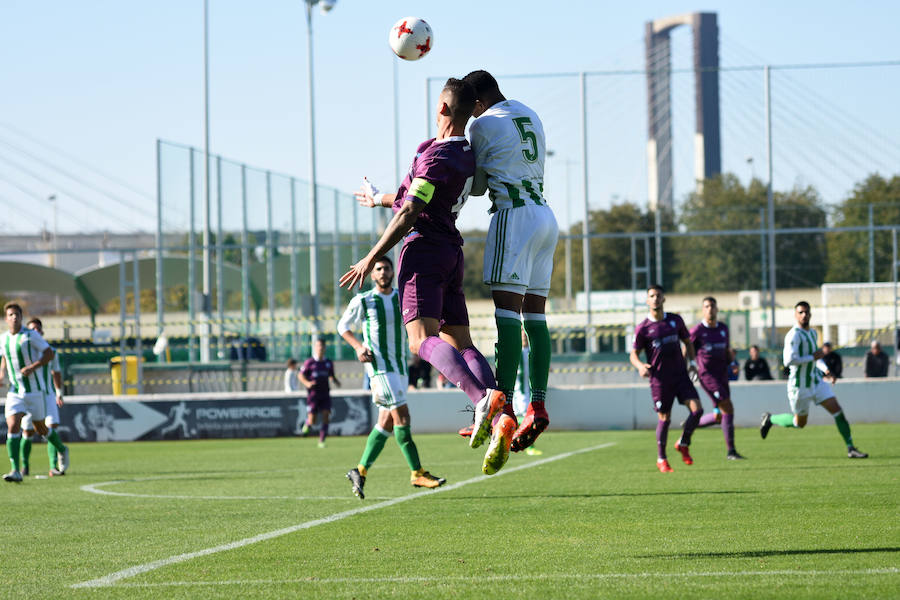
(661, 341)
(711, 344)
(318, 371)
(440, 176)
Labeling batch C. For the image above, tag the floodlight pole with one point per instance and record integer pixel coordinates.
(206, 309)
(770, 197)
(313, 201)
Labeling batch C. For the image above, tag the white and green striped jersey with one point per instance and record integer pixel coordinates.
(20, 350)
(799, 346)
(46, 373)
(383, 332)
(508, 140)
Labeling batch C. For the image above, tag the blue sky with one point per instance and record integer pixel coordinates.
(102, 80)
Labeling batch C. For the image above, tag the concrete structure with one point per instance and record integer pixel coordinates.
(707, 148)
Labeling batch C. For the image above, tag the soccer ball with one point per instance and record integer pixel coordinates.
(411, 38)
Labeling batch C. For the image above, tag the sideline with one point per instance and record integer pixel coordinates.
(112, 578)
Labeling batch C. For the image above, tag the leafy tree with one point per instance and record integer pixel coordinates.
(611, 266)
(848, 253)
(735, 262)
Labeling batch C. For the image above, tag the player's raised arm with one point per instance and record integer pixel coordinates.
(369, 196)
(398, 227)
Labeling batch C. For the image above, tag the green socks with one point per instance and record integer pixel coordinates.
(13, 443)
(374, 445)
(508, 350)
(26, 451)
(407, 447)
(51, 455)
(783, 420)
(539, 341)
(53, 438)
(844, 427)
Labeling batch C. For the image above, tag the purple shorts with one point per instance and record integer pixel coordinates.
(430, 282)
(318, 402)
(665, 392)
(716, 387)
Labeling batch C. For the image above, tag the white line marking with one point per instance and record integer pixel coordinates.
(112, 578)
(94, 488)
(539, 577)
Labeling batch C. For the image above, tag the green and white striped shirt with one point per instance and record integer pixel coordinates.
(799, 346)
(383, 332)
(20, 350)
(47, 371)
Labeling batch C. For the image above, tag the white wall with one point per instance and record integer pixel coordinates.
(630, 407)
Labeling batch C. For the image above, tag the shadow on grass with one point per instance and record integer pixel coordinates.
(765, 553)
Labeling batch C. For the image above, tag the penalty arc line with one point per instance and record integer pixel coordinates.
(112, 578)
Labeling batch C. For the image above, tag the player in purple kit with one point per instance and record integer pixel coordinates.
(314, 375)
(713, 346)
(431, 263)
(660, 336)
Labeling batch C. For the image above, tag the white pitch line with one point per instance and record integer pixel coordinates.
(94, 488)
(492, 578)
(112, 578)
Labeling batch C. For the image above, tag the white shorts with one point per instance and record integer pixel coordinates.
(27, 403)
(518, 254)
(800, 398)
(389, 390)
(51, 414)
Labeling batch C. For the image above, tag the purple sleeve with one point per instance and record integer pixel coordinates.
(695, 334)
(330, 368)
(306, 369)
(431, 170)
(682, 329)
(639, 340)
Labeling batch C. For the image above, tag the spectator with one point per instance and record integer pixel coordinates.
(832, 360)
(419, 373)
(756, 366)
(734, 367)
(877, 362)
(291, 381)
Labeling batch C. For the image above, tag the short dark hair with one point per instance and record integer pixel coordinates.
(802, 303)
(710, 299)
(292, 362)
(656, 287)
(36, 321)
(386, 259)
(754, 346)
(827, 344)
(14, 306)
(460, 99)
(483, 82)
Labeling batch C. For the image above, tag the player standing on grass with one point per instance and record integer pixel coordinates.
(24, 353)
(660, 336)
(314, 376)
(508, 139)
(713, 346)
(431, 261)
(806, 382)
(51, 379)
(384, 352)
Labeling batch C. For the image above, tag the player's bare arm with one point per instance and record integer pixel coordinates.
(642, 367)
(58, 384)
(363, 354)
(399, 226)
(369, 196)
(480, 183)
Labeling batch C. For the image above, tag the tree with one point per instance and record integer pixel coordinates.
(848, 253)
(734, 262)
(611, 266)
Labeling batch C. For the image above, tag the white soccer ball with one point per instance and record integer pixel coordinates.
(411, 38)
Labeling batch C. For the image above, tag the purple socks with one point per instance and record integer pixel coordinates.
(728, 430)
(662, 437)
(446, 359)
(480, 368)
(690, 425)
(323, 432)
(707, 419)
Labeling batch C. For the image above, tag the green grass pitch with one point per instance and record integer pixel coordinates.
(590, 518)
